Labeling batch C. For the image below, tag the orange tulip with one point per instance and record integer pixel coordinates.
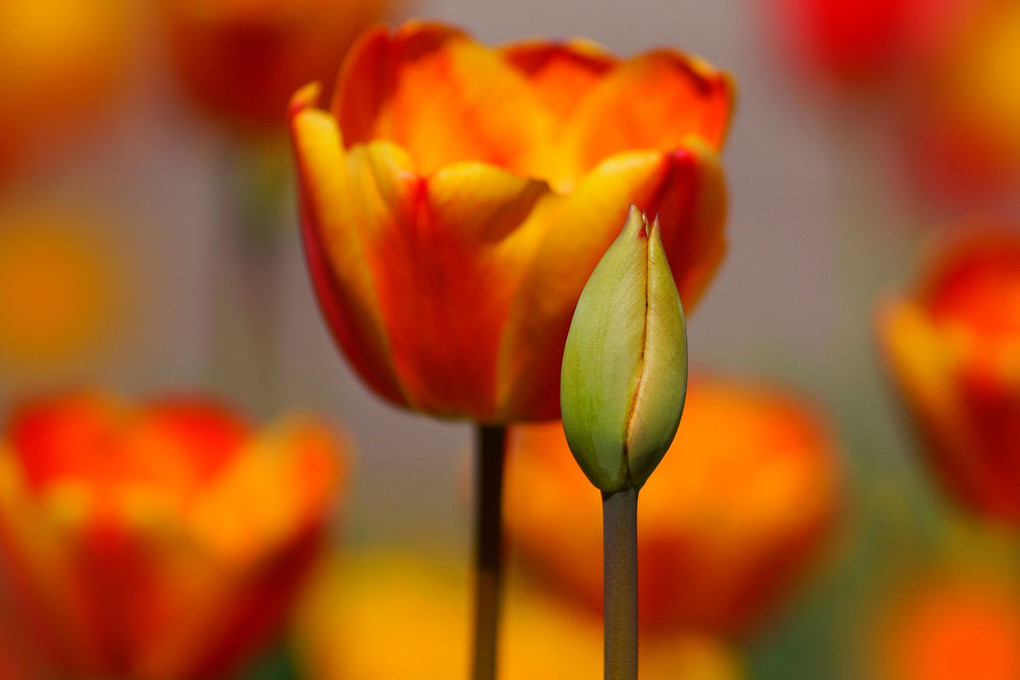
(354, 624)
(242, 59)
(456, 199)
(60, 63)
(951, 626)
(953, 349)
(746, 495)
(158, 541)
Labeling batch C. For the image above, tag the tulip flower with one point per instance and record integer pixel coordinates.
(952, 349)
(61, 62)
(948, 626)
(163, 540)
(353, 624)
(456, 199)
(241, 60)
(741, 505)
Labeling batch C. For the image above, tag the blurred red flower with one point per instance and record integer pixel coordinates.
(953, 350)
(156, 541)
(242, 60)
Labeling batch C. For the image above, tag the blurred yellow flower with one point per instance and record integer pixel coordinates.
(157, 541)
(61, 290)
(389, 616)
(60, 62)
(739, 506)
(951, 626)
(243, 59)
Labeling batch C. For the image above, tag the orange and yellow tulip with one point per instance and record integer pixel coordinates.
(241, 60)
(354, 624)
(740, 504)
(947, 626)
(953, 349)
(456, 198)
(157, 541)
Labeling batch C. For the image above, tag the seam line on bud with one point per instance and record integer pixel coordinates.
(632, 409)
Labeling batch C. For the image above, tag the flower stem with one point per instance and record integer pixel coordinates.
(488, 548)
(619, 526)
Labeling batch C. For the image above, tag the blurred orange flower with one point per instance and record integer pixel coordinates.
(354, 624)
(456, 199)
(745, 497)
(953, 350)
(964, 129)
(61, 290)
(951, 626)
(243, 59)
(160, 541)
(60, 62)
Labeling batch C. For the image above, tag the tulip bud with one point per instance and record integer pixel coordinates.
(624, 376)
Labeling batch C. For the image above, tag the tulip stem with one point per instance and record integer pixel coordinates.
(488, 548)
(619, 526)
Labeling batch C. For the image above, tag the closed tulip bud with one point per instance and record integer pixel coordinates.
(624, 374)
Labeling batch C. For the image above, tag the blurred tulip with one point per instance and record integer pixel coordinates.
(745, 497)
(861, 43)
(394, 617)
(964, 129)
(242, 59)
(159, 541)
(60, 62)
(456, 199)
(951, 626)
(62, 291)
(953, 350)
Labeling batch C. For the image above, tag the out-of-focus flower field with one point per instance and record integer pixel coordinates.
(229, 297)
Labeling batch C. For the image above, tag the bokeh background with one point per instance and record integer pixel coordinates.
(832, 205)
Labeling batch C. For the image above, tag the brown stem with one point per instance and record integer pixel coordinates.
(488, 548)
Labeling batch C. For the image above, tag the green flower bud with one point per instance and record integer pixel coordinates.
(624, 377)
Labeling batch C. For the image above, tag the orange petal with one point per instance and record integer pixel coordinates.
(446, 268)
(686, 189)
(441, 96)
(333, 202)
(653, 101)
(560, 73)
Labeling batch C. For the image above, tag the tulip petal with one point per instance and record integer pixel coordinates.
(446, 269)
(332, 202)
(687, 190)
(654, 101)
(441, 96)
(561, 74)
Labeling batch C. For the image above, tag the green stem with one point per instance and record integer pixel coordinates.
(619, 526)
(488, 548)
